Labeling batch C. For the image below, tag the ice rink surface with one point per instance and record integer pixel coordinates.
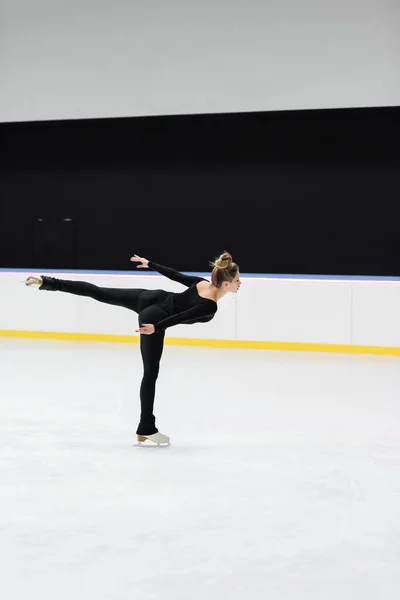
(282, 480)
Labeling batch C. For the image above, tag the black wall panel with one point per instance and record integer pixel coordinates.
(303, 192)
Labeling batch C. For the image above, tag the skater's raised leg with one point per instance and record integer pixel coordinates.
(126, 298)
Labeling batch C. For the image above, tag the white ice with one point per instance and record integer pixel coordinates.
(282, 481)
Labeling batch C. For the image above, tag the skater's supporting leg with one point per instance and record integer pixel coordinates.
(151, 347)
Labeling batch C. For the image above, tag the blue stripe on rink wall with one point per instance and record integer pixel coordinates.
(207, 274)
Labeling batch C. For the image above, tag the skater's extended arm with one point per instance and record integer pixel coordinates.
(187, 280)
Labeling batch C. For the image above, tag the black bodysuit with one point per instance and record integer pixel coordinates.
(156, 307)
(185, 307)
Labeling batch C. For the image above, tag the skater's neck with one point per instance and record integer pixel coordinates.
(217, 293)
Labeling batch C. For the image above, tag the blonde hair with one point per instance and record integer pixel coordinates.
(224, 269)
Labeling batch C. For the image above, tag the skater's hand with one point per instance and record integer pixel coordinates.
(146, 329)
(144, 263)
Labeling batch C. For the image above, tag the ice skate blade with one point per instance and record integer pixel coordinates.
(32, 281)
(147, 442)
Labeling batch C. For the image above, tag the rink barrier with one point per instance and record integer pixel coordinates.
(303, 313)
(207, 343)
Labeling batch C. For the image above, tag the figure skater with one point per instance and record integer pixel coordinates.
(157, 310)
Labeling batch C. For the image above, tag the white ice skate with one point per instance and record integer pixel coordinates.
(155, 439)
(33, 281)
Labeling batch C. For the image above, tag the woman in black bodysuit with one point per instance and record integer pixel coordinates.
(157, 310)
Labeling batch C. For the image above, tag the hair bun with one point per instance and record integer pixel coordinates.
(224, 261)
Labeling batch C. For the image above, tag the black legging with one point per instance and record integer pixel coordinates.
(151, 307)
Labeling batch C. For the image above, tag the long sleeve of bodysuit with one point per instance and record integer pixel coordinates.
(202, 312)
(187, 280)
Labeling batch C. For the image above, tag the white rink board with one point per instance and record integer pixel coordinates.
(376, 313)
(295, 311)
(270, 309)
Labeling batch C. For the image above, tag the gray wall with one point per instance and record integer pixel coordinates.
(111, 58)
